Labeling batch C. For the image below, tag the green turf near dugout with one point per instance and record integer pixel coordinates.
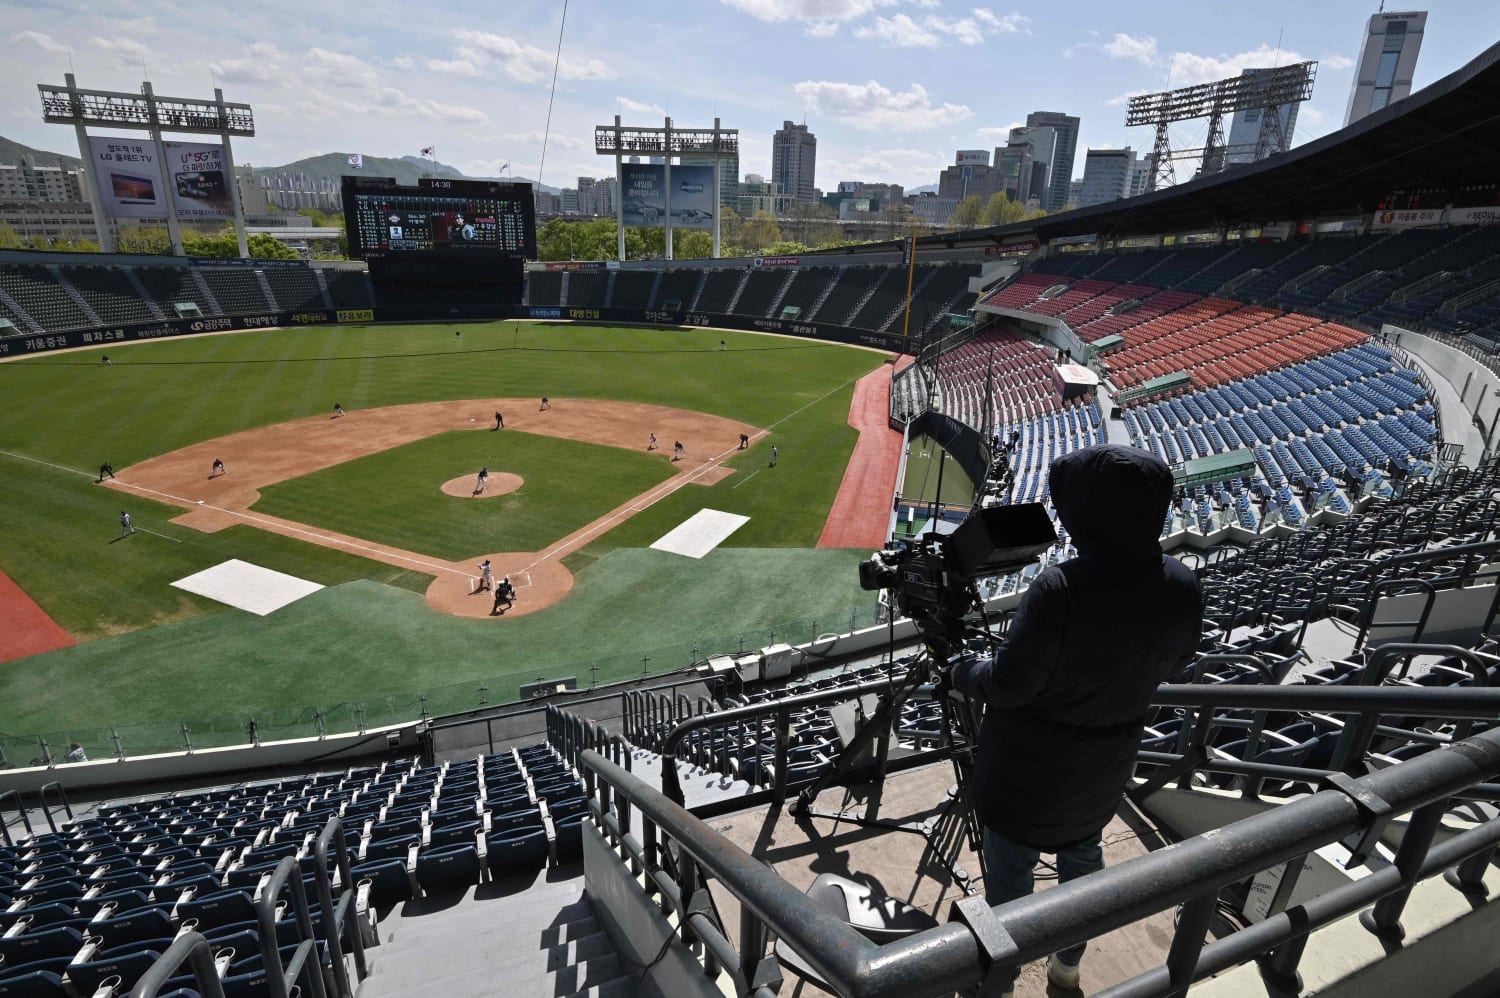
(380, 648)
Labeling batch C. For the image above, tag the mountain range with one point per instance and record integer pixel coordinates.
(406, 169)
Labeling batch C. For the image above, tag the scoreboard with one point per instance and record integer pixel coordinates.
(439, 217)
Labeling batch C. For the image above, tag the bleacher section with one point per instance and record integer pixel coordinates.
(760, 290)
(587, 288)
(236, 289)
(807, 286)
(678, 286)
(168, 286)
(718, 289)
(632, 289)
(295, 288)
(107, 894)
(544, 287)
(34, 289)
(109, 292)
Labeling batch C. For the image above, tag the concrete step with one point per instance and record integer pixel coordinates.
(520, 976)
(620, 987)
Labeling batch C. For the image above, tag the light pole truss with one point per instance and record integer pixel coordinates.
(715, 144)
(113, 109)
(1269, 90)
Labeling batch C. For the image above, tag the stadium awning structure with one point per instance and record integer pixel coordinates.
(1444, 136)
(1214, 468)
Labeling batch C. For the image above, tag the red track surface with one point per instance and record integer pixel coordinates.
(25, 628)
(861, 511)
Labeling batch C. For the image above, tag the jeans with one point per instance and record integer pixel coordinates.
(1009, 869)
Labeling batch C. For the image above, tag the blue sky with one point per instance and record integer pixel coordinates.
(890, 87)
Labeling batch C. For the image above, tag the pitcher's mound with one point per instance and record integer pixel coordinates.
(500, 483)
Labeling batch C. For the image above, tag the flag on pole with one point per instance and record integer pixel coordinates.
(357, 161)
(505, 166)
(428, 150)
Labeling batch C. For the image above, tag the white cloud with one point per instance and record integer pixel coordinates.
(1007, 24)
(128, 46)
(816, 11)
(900, 31)
(245, 71)
(1067, 52)
(404, 62)
(1336, 62)
(965, 30)
(1123, 46)
(991, 133)
(628, 106)
(823, 29)
(338, 69)
(912, 166)
(527, 63)
(44, 42)
(453, 67)
(873, 106)
(1120, 100)
(1188, 68)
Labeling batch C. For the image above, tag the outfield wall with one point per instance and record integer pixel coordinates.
(105, 335)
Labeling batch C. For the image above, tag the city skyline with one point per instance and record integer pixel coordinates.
(890, 87)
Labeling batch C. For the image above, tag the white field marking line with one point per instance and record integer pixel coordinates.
(742, 481)
(272, 526)
(155, 534)
(673, 484)
(47, 464)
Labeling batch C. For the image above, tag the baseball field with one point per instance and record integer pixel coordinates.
(377, 512)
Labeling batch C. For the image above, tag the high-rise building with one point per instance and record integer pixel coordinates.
(1065, 132)
(1142, 175)
(1026, 162)
(970, 175)
(1387, 59)
(794, 160)
(1245, 126)
(28, 182)
(1106, 175)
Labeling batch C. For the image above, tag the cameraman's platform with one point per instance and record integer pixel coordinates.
(905, 876)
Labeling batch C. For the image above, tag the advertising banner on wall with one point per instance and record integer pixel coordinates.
(1406, 219)
(643, 195)
(129, 177)
(200, 182)
(131, 180)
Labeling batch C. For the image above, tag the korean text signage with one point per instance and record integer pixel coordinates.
(132, 181)
(1407, 219)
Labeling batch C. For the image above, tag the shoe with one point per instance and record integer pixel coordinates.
(1061, 974)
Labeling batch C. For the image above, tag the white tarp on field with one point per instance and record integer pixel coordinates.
(248, 587)
(700, 533)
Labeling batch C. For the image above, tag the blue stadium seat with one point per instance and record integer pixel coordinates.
(448, 866)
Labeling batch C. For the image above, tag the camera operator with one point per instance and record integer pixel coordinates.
(1066, 693)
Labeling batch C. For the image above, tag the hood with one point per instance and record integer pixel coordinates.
(1113, 499)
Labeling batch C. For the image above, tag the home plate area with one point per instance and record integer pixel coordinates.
(247, 587)
(700, 533)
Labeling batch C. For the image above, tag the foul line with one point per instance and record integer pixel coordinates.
(155, 534)
(272, 526)
(742, 481)
(671, 485)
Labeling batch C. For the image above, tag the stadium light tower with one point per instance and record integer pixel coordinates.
(1267, 90)
(202, 175)
(716, 144)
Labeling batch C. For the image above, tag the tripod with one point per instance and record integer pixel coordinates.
(960, 726)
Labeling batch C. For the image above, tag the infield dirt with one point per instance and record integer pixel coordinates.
(264, 456)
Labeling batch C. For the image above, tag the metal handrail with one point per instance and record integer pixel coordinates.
(982, 940)
(281, 978)
(62, 799)
(20, 809)
(781, 710)
(190, 948)
(336, 917)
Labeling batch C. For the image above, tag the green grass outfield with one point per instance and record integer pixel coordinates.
(64, 414)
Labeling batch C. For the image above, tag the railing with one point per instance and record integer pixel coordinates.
(572, 736)
(754, 719)
(337, 919)
(189, 948)
(649, 831)
(282, 978)
(62, 802)
(20, 809)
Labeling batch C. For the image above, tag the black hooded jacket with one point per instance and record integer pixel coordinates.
(1066, 693)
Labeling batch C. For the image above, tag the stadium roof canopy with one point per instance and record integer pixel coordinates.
(1444, 136)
